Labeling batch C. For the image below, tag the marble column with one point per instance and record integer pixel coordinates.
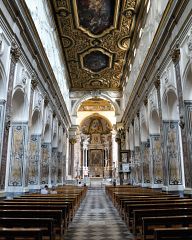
(15, 55)
(72, 143)
(185, 147)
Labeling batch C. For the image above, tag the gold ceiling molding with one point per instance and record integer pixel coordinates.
(96, 37)
(96, 104)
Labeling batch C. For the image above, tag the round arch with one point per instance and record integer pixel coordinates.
(187, 83)
(89, 96)
(2, 83)
(19, 111)
(36, 124)
(169, 105)
(154, 126)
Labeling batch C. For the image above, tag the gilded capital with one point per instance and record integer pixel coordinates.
(72, 140)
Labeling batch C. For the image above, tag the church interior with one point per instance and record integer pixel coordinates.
(96, 103)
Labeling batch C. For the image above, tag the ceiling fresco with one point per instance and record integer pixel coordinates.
(95, 37)
(96, 104)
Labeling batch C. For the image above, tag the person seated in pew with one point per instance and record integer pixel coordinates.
(53, 190)
(44, 190)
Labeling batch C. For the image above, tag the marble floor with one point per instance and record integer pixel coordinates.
(97, 219)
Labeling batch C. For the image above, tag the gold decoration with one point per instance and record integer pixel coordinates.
(77, 40)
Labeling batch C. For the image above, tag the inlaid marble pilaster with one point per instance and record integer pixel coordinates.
(59, 168)
(145, 159)
(156, 158)
(2, 110)
(138, 168)
(182, 123)
(34, 160)
(172, 152)
(15, 54)
(45, 163)
(18, 155)
(54, 164)
(188, 117)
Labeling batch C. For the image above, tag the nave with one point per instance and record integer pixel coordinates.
(97, 218)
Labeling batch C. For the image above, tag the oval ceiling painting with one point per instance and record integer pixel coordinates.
(96, 16)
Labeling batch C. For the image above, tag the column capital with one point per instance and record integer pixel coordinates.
(190, 41)
(15, 51)
(138, 114)
(34, 81)
(46, 100)
(175, 55)
(145, 101)
(72, 140)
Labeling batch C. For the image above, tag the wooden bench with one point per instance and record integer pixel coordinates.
(150, 223)
(46, 224)
(183, 233)
(131, 207)
(138, 215)
(54, 214)
(24, 233)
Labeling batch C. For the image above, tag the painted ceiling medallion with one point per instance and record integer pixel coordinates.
(96, 17)
(96, 60)
(96, 38)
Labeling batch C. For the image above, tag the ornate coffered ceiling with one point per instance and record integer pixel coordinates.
(96, 37)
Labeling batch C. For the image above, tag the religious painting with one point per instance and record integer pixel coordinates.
(96, 61)
(95, 124)
(96, 157)
(34, 159)
(95, 138)
(17, 155)
(96, 16)
(96, 165)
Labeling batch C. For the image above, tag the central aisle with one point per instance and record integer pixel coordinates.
(97, 219)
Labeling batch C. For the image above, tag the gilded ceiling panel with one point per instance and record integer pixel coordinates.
(95, 36)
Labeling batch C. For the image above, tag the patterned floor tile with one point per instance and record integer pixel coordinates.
(97, 219)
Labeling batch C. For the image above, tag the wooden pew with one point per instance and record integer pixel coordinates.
(182, 233)
(46, 224)
(24, 233)
(55, 214)
(140, 214)
(131, 207)
(150, 223)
